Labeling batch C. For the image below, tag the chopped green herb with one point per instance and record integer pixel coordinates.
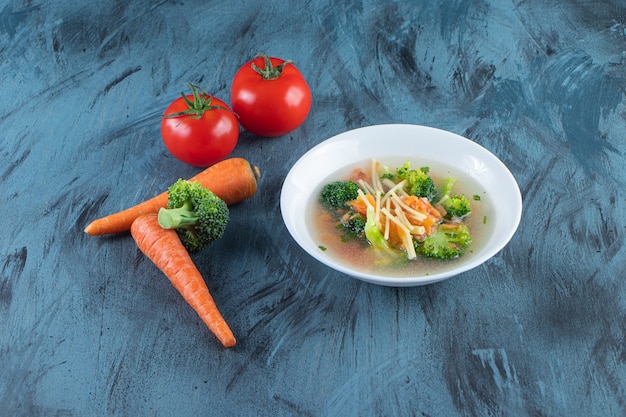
(484, 219)
(322, 248)
(476, 197)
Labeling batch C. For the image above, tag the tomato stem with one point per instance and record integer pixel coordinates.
(200, 104)
(270, 72)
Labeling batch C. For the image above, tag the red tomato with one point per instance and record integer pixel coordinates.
(199, 129)
(270, 96)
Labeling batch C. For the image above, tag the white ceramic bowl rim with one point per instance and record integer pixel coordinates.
(417, 142)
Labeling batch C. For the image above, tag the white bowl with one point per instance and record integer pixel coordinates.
(392, 145)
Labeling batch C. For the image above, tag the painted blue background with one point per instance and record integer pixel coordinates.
(89, 327)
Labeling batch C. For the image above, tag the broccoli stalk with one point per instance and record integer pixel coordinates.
(184, 216)
(449, 241)
(373, 234)
(197, 214)
(456, 206)
(445, 188)
(386, 255)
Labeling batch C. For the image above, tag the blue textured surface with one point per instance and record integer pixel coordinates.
(89, 327)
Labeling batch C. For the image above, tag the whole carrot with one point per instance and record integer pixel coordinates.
(233, 180)
(164, 248)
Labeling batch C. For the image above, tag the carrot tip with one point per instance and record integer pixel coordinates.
(256, 171)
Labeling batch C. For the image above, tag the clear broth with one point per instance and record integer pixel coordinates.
(358, 255)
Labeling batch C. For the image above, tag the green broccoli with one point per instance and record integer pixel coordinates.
(335, 195)
(353, 225)
(198, 216)
(449, 241)
(456, 206)
(418, 182)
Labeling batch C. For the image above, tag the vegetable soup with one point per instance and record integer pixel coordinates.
(358, 253)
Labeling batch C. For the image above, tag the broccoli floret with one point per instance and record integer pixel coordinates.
(456, 206)
(449, 241)
(198, 216)
(353, 224)
(418, 182)
(337, 194)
